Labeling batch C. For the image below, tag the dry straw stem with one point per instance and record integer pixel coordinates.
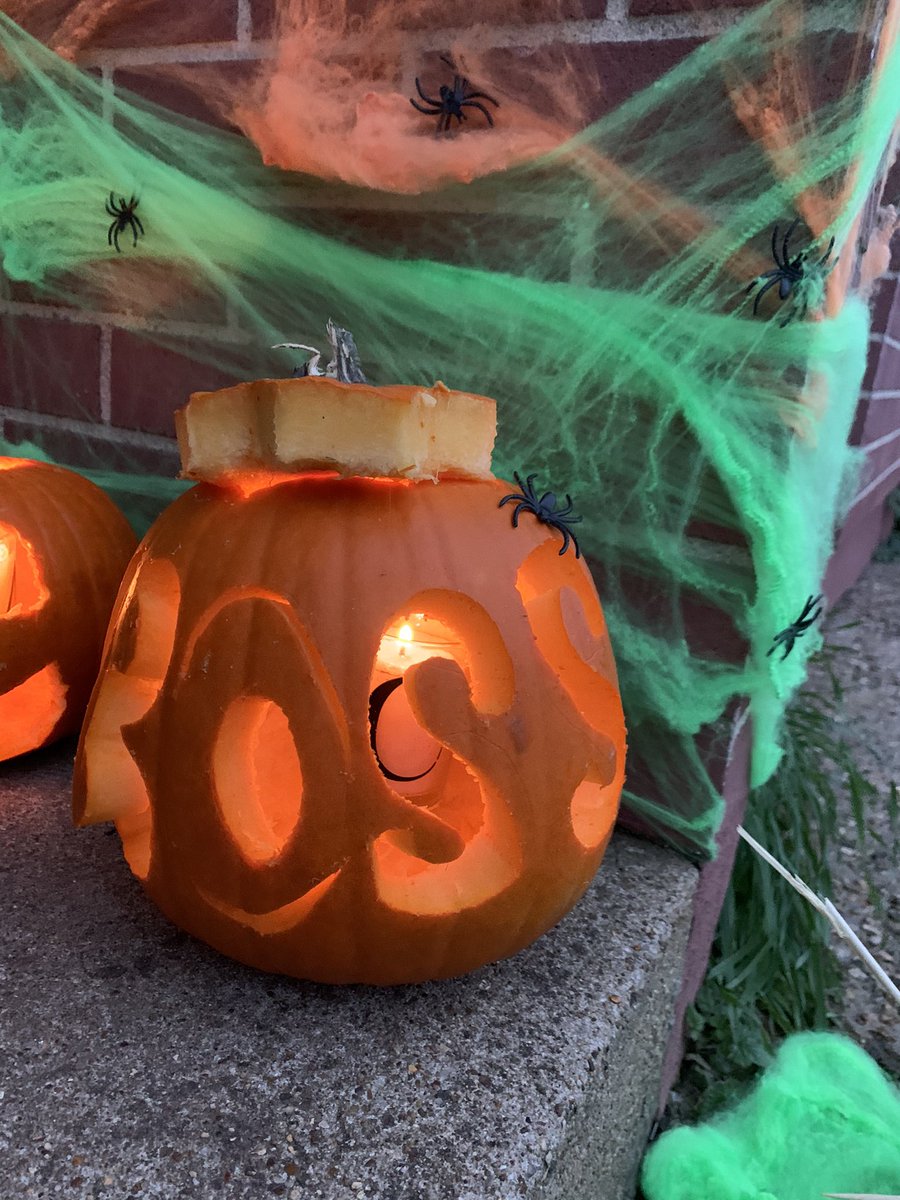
(837, 922)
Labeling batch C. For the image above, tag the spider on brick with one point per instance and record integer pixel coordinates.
(452, 101)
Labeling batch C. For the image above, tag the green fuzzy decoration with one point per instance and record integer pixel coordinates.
(823, 1119)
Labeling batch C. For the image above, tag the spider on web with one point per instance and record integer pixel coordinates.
(787, 637)
(452, 100)
(124, 217)
(798, 280)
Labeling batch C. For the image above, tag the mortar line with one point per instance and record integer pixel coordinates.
(110, 433)
(106, 373)
(244, 26)
(885, 339)
(74, 316)
(109, 93)
(882, 441)
(894, 468)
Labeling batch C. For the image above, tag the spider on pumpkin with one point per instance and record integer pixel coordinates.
(797, 628)
(124, 217)
(526, 499)
(452, 101)
(796, 278)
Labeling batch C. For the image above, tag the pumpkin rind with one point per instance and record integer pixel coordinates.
(263, 610)
(74, 546)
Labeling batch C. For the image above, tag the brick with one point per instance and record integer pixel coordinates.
(872, 362)
(882, 419)
(663, 8)
(450, 236)
(837, 73)
(454, 14)
(864, 528)
(858, 428)
(882, 304)
(50, 366)
(191, 92)
(28, 293)
(149, 382)
(883, 463)
(265, 13)
(882, 368)
(167, 23)
(891, 193)
(627, 67)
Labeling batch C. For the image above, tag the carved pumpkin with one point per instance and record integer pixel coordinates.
(64, 547)
(353, 729)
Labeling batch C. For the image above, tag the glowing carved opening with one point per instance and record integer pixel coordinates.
(8, 543)
(490, 862)
(29, 713)
(593, 812)
(279, 920)
(570, 632)
(22, 588)
(411, 759)
(115, 788)
(422, 762)
(258, 782)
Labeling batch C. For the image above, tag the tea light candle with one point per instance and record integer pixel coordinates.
(407, 754)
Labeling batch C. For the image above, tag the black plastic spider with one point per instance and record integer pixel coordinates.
(124, 217)
(453, 100)
(797, 628)
(544, 509)
(794, 275)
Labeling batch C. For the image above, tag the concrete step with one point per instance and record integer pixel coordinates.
(135, 1061)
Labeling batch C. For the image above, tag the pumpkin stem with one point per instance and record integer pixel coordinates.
(344, 365)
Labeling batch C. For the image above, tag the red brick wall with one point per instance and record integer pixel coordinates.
(128, 389)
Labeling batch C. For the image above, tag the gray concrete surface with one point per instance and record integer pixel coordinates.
(137, 1062)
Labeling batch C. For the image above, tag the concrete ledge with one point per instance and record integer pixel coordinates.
(137, 1062)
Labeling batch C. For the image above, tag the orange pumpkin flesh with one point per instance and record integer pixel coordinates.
(63, 549)
(289, 791)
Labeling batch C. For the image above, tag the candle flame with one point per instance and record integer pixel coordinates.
(405, 633)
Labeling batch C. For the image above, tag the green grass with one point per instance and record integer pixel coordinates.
(772, 971)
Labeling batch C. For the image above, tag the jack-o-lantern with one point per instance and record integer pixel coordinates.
(64, 547)
(352, 725)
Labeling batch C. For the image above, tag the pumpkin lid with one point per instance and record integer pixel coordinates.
(285, 426)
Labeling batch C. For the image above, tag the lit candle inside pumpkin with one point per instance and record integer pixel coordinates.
(7, 570)
(406, 753)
